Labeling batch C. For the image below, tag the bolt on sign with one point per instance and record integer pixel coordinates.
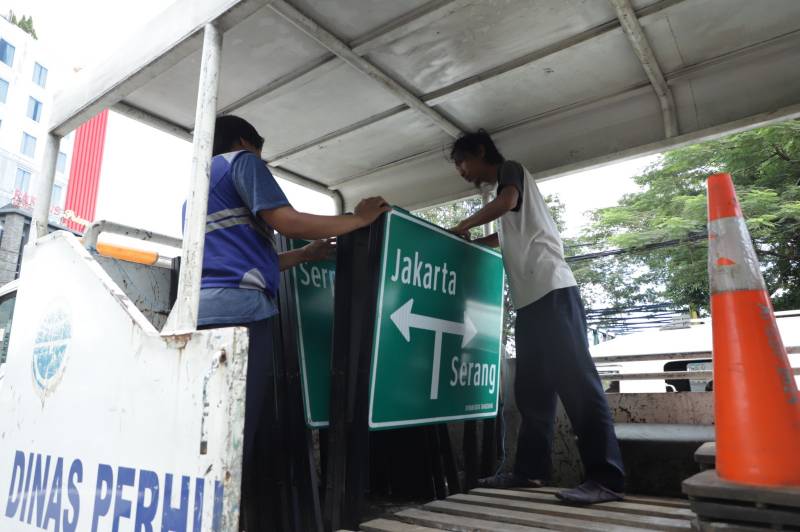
(438, 329)
(313, 293)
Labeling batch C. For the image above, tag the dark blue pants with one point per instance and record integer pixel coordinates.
(260, 387)
(553, 360)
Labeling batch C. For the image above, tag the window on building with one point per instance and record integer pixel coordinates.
(3, 90)
(55, 197)
(34, 109)
(39, 75)
(23, 180)
(7, 52)
(61, 162)
(28, 146)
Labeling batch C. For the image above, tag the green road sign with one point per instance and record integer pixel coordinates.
(313, 293)
(438, 331)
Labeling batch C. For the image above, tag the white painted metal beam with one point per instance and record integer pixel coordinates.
(44, 190)
(279, 158)
(443, 94)
(641, 46)
(583, 105)
(152, 120)
(93, 232)
(783, 114)
(286, 83)
(408, 23)
(628, 92)
(791, 38)
(311, 184)
(147, 54)
(184, 134)
(183, 318)
(386, 33)
(335, 45)
(791, 112)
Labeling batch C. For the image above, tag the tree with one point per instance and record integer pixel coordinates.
(765, 165)
(24, 23)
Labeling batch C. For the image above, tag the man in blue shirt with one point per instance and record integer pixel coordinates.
(241, 268)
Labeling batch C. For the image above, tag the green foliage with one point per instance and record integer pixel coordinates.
(25, 23)
(671, 205)
(450, 214)
(765, 165)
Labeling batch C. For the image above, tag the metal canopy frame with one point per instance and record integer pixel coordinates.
(173, 44)
(671, 141)
(633, 29)
(329, 41)
(443, 94)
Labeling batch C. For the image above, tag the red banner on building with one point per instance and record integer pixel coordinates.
(84, 175)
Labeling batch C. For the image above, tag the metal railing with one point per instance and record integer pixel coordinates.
(104, 226)
(666, 375)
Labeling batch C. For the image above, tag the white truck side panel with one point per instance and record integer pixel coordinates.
(106, 425)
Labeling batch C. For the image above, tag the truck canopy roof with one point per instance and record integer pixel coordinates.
(371, 105)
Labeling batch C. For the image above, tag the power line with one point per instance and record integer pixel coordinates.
(621, 320)
(692, 237)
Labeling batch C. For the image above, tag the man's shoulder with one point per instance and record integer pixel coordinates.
(243, 157)
(511, 172)
(514, 166)
(248, 165)
(229, 161)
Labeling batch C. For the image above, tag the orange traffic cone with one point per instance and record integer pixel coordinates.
(757, 405)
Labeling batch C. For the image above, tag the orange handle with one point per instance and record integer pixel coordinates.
(128, 254)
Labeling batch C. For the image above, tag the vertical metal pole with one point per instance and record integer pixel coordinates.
(644, 51)
(44, 191)
(183, 317)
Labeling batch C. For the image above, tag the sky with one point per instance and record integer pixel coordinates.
(62, 26)
(582, 192)
(145, 172)
(145, 175)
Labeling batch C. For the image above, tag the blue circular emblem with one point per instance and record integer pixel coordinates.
(50, 347)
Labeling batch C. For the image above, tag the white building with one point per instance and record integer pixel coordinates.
(27, 84)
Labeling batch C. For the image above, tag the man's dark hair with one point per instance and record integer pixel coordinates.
(470, 143)
(230, 129)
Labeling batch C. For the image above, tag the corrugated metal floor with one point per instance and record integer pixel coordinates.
(535, 509)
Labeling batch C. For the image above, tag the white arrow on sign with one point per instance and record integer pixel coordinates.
(405, 320)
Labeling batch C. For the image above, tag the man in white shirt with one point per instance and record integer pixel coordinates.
(553, 358)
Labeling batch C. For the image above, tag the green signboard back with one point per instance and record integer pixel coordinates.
(313, 293)
(437, 345)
